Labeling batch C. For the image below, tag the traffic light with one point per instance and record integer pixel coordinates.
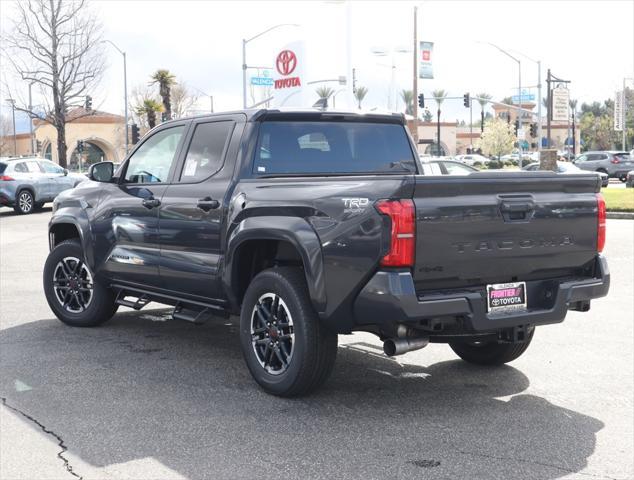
(517, 126)
(533, 130)
(467, 101)
(80, 146)
(88, 104)
(421, 100)
(135, 133)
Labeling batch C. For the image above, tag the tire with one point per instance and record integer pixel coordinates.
(24, 202)
(491, 353)
(623, 178)
(310, 351)
(66, 272)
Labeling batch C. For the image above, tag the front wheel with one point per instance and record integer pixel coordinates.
(287, 349)
(72, 292)
(491, 353)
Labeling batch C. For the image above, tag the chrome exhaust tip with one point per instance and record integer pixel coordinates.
(399, 346)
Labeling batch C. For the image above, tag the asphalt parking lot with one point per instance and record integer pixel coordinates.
(144, 397)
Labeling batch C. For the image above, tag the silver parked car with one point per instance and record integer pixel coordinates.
(567, 167)
(28, 183)
(615, 163)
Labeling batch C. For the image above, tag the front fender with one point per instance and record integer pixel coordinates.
(77, 217)
(298, 232)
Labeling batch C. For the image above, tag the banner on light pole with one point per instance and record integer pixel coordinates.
(424, 60)
(618, 111)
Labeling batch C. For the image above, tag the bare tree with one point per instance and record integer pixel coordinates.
(55, 45)
(183, 99)
(6, 136)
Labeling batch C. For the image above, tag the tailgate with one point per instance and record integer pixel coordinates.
(502, 227)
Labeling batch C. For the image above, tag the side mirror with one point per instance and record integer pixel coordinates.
(65, 171)
(101, 172)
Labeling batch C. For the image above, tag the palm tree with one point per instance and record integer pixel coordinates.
(360, 94)
(483, 99)
(149, 108)
(439, 96)
(165, 80)
(408, 99)
(324, 92)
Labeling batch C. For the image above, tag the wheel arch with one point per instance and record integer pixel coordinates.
(258, 243)
(66, 227)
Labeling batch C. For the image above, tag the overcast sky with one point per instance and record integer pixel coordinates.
(590, 43)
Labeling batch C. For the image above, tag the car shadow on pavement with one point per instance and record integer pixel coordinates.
(9, 212)
(177, 397)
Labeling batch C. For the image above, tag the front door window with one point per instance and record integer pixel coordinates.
(151, 163)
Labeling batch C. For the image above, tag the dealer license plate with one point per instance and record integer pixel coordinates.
(506, 296)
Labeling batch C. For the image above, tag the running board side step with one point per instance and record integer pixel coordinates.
(138, 304)
(197, 317)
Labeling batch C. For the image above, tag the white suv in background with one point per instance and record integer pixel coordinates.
(470, 159)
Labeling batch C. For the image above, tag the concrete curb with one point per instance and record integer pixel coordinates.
(621, 215)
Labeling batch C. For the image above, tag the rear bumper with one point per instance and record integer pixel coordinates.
(389, 299)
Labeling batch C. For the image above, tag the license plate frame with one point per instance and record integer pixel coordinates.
(508, 297)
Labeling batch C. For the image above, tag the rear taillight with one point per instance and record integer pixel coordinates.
(600, 222)
(402, 235)
(615, 160)
(6, 178)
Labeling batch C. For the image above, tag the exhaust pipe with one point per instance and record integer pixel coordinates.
(399, 346)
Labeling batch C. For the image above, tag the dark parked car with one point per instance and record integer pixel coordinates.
(629, 182)
(569, 168)
(311, 224)
(28, 183)
(615, 164)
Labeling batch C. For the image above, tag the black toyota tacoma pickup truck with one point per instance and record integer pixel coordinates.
(311, 224)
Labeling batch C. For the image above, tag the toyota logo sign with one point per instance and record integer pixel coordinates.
(286, 62)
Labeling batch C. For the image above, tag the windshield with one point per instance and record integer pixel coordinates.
(332, 148)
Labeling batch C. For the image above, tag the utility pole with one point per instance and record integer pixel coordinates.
(550, 108)
(11, 102)
(539, 105)
(31, 120)
(471, 124)
(415, 84)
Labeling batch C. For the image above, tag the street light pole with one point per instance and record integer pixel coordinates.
(31, 120)
(519, 94)
(244, 57)
(125, 93)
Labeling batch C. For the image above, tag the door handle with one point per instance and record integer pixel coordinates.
(151, 202)
(207, 203)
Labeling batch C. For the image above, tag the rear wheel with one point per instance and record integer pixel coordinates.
(287, 349)
(491, 353)
(72, 292)
(25, 203)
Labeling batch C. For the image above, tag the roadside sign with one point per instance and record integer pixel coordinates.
(560, 98)
(526, 97)
(618, 111)
(262, 81)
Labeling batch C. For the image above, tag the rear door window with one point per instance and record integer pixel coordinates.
(286, 147)
(206, 151)
(20, 168)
